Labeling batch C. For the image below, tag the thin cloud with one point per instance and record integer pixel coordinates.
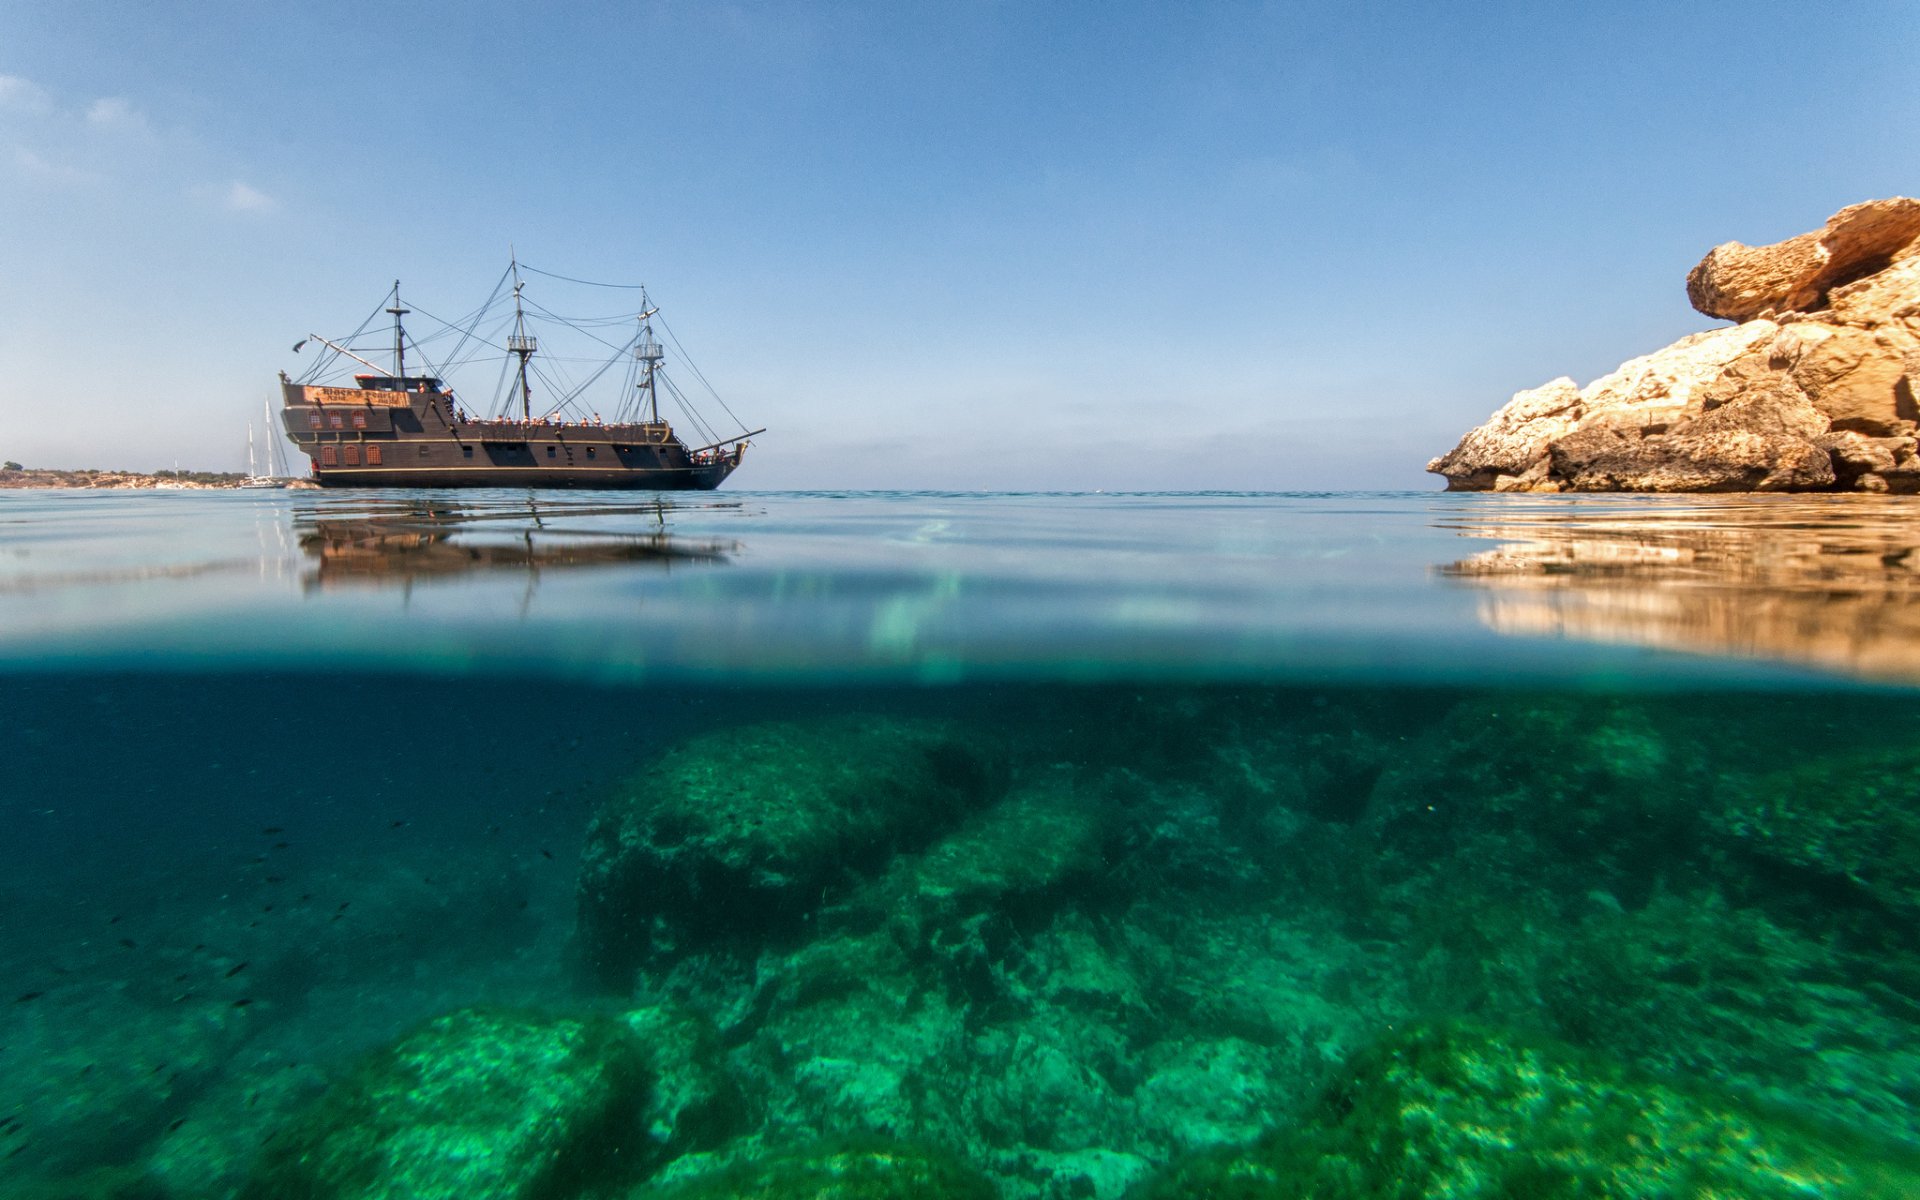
(113, 112)
(38, 166)
(242, 198)
(23, 95)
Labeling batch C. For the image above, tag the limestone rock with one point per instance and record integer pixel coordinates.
(1515, 438)
(1752, 407)
(1761, 442)
(1740, 282)
(738, 834)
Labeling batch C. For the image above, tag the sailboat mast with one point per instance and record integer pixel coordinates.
(520, 343)
(399, 336)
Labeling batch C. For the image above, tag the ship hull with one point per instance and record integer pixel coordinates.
(374, 437)
(686, 479)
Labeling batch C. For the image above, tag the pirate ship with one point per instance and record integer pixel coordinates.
(389, 427)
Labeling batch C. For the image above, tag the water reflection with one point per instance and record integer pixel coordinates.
(405, 540)
(1829, 581)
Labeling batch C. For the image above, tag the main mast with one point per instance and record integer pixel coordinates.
(650, 355)
(399, 337)
(520, 342)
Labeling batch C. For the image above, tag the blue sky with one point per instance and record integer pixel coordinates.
(967, 245)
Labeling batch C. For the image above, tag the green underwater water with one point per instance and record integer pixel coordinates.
(1036, 848)
(290, 935)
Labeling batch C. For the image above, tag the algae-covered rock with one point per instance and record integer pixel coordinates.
(1015, 856)
(476, 1105)
(870, 1170)
(1515, 792)
(737, 834)
(1691, 987)
(1470, 1113)
(1848, 825)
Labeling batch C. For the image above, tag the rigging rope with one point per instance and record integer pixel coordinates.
(631, 287)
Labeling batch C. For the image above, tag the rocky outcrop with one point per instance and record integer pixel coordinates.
(1813, 391)
(1740, 282)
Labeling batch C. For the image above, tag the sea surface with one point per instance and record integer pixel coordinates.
(612, 846)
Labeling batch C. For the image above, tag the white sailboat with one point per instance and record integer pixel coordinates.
(254, 478)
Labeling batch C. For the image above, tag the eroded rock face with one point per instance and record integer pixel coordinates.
(1814, 391)
(1740, 282)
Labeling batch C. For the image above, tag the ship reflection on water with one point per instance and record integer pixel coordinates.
(411, 540)
(1831, 582)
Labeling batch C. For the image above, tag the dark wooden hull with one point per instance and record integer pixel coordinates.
(382, 438)
(663, 479)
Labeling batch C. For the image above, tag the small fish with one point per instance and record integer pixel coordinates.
(127, 942)
(546, 854)
(242, 1003)
(396, 825)
(272, 829)
(237, 968)
(177, 1123)
(276, 879)
(113, 920)
(281, 845)
(26, 996)
(343, 905)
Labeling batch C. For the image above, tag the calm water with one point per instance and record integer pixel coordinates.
(488, 844)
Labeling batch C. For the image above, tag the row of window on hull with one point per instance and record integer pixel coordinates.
(348, 454)
(335, 420)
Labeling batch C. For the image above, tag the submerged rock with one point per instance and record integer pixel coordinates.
(863, 1170)
(733, 836)
(1845, 827)
(1513, 794)
(1473, 1113)
(1829, 346)
(1692, 987)
(476, 1105)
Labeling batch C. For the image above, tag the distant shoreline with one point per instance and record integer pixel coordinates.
(125, 480)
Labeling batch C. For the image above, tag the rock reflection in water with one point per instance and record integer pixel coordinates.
(1831, 582)
(405, 541)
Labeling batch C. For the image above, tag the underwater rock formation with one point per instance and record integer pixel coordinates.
(1520, 793)
(737, 835)
(1814, 391)
(478, 1105)
(1474, 1113)
(1844, 827)
(867, 1170)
